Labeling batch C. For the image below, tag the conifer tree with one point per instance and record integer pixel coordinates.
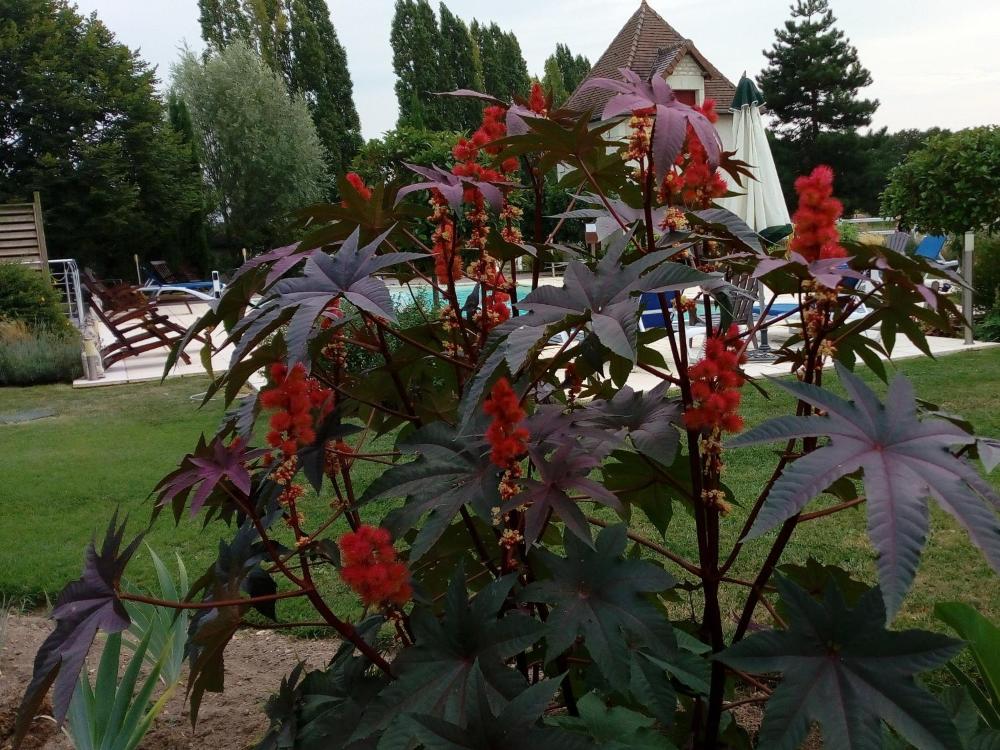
(553, 81)
(320, 73)
(574, 67)
(505, 72)
(416, 44)
(813, 75)
(461, 68)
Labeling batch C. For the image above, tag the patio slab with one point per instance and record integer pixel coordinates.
(148, 367)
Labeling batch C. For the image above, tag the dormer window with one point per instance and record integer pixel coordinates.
(687, 96)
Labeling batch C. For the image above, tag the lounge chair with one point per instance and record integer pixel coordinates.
(930, 248)
(133, 320)
(161, 280)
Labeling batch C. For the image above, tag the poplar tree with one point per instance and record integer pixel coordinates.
(320, 73)
(813, 75)
(460, 68)
(574, 67)
(416, 44)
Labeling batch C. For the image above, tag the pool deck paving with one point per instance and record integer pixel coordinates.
(148, 367)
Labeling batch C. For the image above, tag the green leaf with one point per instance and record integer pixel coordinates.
(437, 674)
(983, 638)
(842, 668)
(448, 473)
(614, 727)
(598, 594)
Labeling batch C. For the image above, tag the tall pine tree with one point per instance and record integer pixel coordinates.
(554, 81)
(416, 44)
(813, 75)
(461, 68)
(320, 73)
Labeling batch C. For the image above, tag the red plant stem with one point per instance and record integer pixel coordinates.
(559, 224)
(269, 545)
(743, 702)
(831, 510)
(484, 555)
(167, 604)
(422, 347)
(569, 340)
(689, 566)
(661, 375)
(749, 680)
(602, 196)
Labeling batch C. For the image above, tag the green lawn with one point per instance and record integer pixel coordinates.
(63, 477)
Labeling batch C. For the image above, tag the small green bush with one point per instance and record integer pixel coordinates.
(988, 329)
(36, 356)
(409, 313)
(27, 295)
(986, 274)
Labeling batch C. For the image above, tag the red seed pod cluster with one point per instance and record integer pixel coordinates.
(371, 569)
(298, 400)
(715, 385)
(446, 261)
(507, 440)
(816, 236)
(537, 100)
(693, 182)
(359, 185)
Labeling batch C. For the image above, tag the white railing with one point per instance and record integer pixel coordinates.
(66, 278)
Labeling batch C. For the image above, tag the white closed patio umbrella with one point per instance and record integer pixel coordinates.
(761, 203)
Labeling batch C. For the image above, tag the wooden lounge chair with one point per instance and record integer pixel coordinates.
(134, 321)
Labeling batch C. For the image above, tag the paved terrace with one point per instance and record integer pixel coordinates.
(149, 366)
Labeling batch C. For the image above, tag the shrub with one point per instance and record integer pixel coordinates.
(28, 295)
(986, 273)
(502, 546)
(38, 356)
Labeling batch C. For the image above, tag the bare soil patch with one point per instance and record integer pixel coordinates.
(255, 663)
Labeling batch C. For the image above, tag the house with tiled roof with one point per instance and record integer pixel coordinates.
(649, 46)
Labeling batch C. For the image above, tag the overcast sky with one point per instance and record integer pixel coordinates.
(933, 63)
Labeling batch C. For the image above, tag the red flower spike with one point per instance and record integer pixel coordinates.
(715, 384)
(371, 569)
(507, 440)
(299, 402)
(359, 185)
(816, 236)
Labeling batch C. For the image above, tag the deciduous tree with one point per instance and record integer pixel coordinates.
(80, 122)
(262, 155)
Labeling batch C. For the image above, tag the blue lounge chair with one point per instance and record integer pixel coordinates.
(156, 284)
(930, 248)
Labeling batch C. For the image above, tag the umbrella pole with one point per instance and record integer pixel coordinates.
(763, 352)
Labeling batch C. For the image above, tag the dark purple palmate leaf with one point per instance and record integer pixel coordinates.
(672, 117)
(565, 471)
(85, 606)
(829, 272)
(347, 274)
(905, 461)
(606, 222)
(283, 260)
(608, 294)
(842, 668)
(649, 419)
(206, 468)
(452, 187)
